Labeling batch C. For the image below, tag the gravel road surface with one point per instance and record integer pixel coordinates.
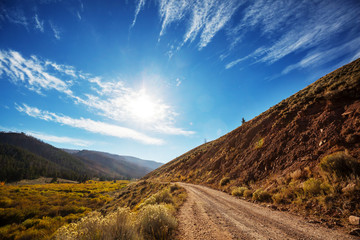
(211, 214)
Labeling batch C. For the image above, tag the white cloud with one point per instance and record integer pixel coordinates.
(171, 130)
(123, 104)
(61, 68)
(272, 16)
(56, 139)
(178, 82)
(56, 30)
(216, 19)
(31, 72)
(90, 125)
(111, 99)
(204, 18)
(38, 23)
(317, 58)
(172, 11)
(50, 138)
(285, 27)
(356, 56)
(78, 15)
(296, 26)
(233, 63)
(139, 6)
(15, 16)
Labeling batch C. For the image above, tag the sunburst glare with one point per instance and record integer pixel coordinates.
(145, 108)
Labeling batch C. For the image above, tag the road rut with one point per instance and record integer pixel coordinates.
(211, 214)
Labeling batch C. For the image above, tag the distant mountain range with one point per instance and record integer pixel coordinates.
(112, 164)
(25, 157)
(141, 162)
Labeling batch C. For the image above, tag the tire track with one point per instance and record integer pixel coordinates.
(211, 214)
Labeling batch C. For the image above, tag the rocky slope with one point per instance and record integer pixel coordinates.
(311, 138)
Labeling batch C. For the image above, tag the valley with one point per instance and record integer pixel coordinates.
(36, 211)
(179, 120)
(293, 171)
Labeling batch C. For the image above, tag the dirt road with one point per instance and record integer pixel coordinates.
(211, 214)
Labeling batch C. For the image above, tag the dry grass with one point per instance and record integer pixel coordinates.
(239, 191)
(163, 196)
(261, 196)
(248, 193)
(224, 181)
(312, 187)
(117, 225)
(150, 219)
(156, 222)
(341, 165)
(259, 144)
(36, 211)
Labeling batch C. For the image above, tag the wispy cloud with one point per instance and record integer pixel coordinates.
(172, 11)
(117, 102)
(317, 58)
(110, 99)
(284, 27)
(39, 24)
(50, 138)
(89, 125)
(15, 16)
(356, 56)
(233, 63)
(204, 18)
(139, 6)
(296, 26)
(56, 139)
(178, 82)
(78, 15)
(216, 18)
(61, 68)
(31, 72)
(56, 30)
(81, 10)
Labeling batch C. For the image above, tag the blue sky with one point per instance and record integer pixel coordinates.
(153, 79)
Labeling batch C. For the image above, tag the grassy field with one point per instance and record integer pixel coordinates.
(37, 211)
(142, 210)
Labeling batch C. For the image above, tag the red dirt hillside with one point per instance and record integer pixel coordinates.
(309, 139)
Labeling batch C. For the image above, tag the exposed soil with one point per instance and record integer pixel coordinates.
(296, 133)
(211, 214)
(282, 148)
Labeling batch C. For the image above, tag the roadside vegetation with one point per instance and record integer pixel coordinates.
(331, 190)
(37, 211)
(142, 210)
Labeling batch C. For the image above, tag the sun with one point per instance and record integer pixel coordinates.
(144, 108)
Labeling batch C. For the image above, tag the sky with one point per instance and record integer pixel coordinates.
(154, 79)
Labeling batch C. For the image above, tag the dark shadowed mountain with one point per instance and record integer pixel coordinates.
(23, 156)
(149, 164)
(131, 167)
